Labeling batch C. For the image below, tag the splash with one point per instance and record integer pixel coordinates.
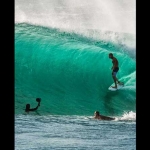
(108, 15)
(127, 116)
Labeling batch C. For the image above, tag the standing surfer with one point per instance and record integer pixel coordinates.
(115, 69)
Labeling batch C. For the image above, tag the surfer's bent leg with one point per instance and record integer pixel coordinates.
(114, 76)
(115, 79)
(115, 73)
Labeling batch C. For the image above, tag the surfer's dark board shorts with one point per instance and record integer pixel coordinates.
(115, 71)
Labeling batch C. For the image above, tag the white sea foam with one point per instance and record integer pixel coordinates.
(128, 116)
(118, 16)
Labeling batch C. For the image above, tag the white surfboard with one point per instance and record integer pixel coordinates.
(119, 86)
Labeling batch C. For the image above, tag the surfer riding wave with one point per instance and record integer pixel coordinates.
(115, 69)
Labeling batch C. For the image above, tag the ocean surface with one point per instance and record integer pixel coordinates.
(61, 56)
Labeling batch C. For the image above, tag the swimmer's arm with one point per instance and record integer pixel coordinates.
(33, 109)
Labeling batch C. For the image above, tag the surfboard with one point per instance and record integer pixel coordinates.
(119, 86)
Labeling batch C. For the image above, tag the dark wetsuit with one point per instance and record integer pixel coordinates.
(106, 118)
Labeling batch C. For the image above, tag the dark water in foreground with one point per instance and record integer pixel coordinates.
(73, 132)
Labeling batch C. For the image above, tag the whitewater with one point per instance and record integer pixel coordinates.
(61, 56)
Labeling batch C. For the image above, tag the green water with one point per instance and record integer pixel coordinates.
(71, 73)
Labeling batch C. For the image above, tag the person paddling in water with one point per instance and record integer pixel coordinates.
(101, 117)
(33, 109)
(115, 69)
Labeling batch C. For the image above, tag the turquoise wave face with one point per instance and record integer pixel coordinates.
(70, 73)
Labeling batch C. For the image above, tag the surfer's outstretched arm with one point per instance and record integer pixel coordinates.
(33, 109)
